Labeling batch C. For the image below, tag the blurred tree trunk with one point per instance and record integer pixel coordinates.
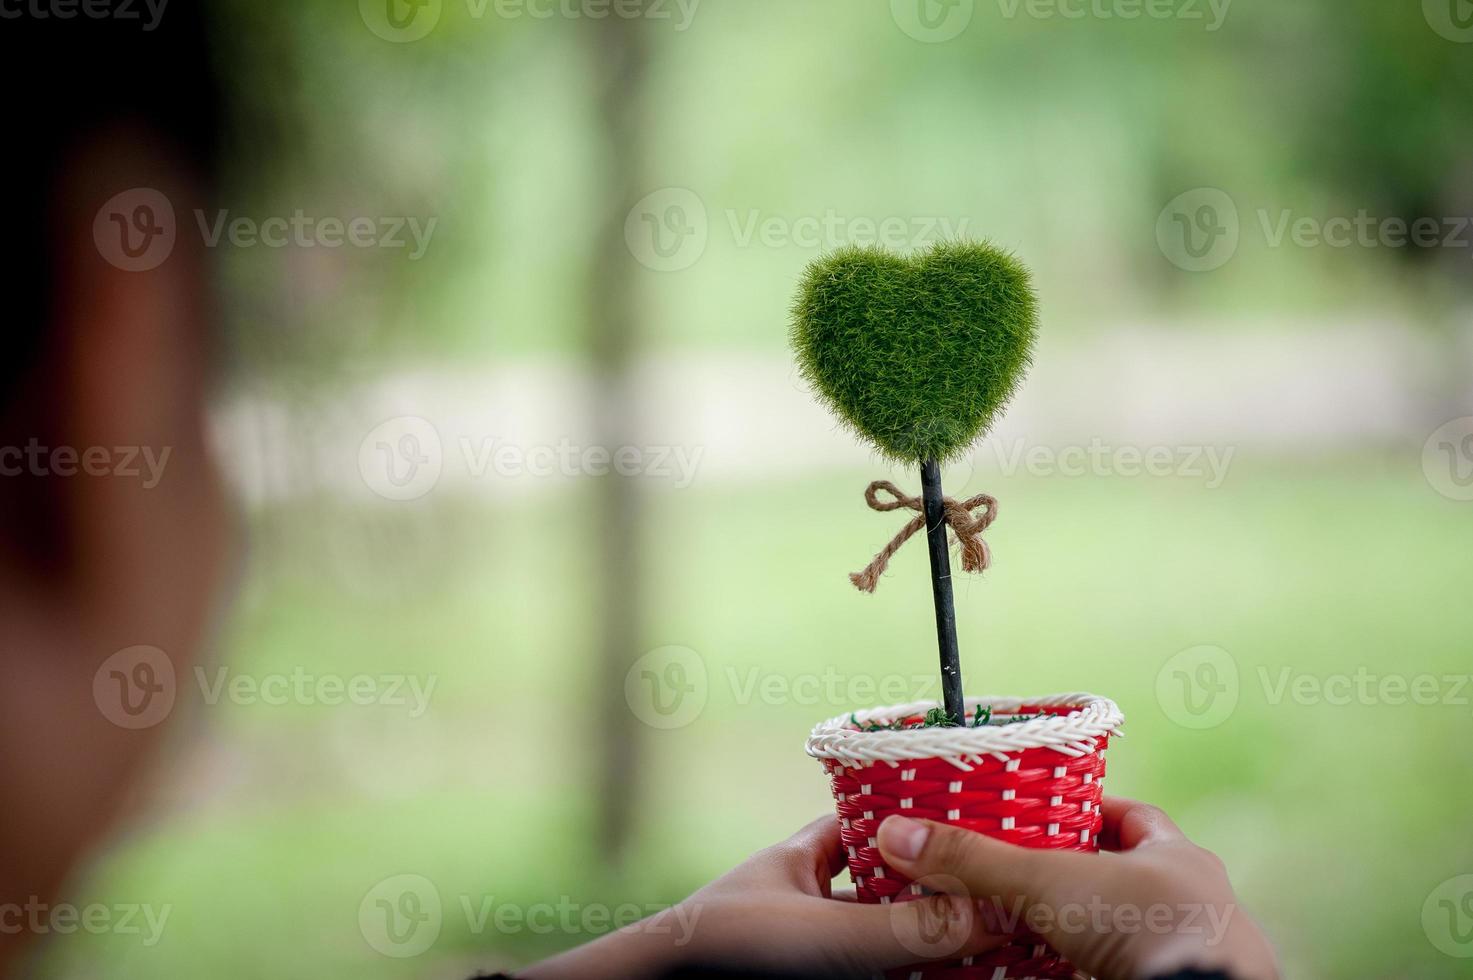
(612, 322)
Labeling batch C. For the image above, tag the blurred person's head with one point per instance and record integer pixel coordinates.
(113, 528)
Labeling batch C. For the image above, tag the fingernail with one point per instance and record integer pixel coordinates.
(903, 837)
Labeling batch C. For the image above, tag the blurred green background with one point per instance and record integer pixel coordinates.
(622, 207)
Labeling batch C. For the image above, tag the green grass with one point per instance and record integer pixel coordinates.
(917, 354)
(1336, 820)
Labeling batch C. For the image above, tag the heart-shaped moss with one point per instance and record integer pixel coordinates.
(918, 355)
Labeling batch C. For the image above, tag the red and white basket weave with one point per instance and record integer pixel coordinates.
(1037, 783)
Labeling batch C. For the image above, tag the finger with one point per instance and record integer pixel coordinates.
(964, 862)
(813, 855)
(1130, 824)
(937, 927)
(821, 840)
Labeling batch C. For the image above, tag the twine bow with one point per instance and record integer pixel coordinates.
(976, 556)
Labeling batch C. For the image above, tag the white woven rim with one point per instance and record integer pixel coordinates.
(1072, 734)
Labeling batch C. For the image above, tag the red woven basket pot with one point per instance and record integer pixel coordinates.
(1035, 782)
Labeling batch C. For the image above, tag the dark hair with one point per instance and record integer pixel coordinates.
(65, 79)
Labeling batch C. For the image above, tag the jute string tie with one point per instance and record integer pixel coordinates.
(965, 524)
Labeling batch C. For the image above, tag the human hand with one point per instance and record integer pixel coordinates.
(114, 527)
(1158, 905)
(777, 913)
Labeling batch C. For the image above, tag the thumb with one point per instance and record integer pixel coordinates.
(965, 862)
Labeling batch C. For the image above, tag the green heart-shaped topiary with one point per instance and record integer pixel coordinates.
(918, 355)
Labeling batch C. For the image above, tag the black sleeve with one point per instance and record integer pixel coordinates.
(687, 973)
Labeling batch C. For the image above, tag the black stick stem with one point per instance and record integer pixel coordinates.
(951, 667)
